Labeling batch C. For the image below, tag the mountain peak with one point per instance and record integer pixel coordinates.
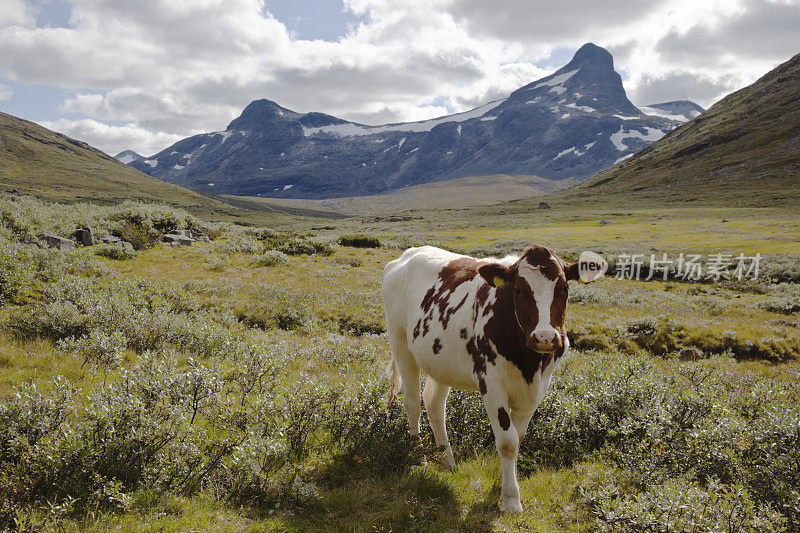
(591, 55)
(128, 156)
(259, 112)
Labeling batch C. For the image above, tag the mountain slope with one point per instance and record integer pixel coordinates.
(571, 124)
(128, 156)
(746, 146)
(40, 162)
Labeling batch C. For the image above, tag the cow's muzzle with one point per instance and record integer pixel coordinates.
(544, 341)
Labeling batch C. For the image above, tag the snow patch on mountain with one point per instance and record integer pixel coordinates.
(655, 112)
(623, 158)
(351, 129)
(574, 150)
(653, 134)
(556, 80)
(585, 108)
(224, 134)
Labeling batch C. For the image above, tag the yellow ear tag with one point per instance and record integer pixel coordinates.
(498, 281)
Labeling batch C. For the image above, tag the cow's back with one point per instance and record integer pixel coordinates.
(414, 271)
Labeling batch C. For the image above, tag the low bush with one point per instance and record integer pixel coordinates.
(349, 261)
(114, 251)
(358, 326)
(140, 237)
(270, 258)
(785, 305)
(303, 247)
(216, 263)
(685, 506)
(359, 241)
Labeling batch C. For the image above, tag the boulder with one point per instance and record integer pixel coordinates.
(606, 221)
(111, 239)
(84, 236)
(690, 354)
(185, 237)
(53, 241)
(544, 205)
(180, 239)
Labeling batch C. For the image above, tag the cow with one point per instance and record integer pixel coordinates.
(495, 326)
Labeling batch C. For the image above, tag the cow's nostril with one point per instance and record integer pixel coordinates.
(546, 337)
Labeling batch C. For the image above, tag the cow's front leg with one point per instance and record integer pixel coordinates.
(506, 439)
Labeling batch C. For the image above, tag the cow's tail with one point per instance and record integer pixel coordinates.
(393, 375)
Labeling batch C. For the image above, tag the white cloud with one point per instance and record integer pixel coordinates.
(112, 139)
(5, 92)
(15, 12)
(174, 68)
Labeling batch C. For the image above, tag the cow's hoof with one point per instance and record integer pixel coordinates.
(511, 506)
(448, 463)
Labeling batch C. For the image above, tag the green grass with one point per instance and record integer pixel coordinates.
(352, 493)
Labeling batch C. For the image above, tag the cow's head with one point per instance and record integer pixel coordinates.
(537, 285)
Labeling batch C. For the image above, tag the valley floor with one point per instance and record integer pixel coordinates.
(236, 385)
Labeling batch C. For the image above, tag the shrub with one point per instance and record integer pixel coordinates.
(303, 247)
(238, 244)
(685, 506)
(360, 241)
(216, 263)
(358, 326)
(785, 305)
(140, 237)
(270, 258)
(291, 319)
(114, 251)
(349, 261)
(98, 348)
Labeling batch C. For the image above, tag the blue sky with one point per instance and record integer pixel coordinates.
(141, 75)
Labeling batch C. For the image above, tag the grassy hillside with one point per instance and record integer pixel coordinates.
(745, 150)
(39, 162)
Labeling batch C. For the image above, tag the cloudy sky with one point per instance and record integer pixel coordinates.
(143, 74)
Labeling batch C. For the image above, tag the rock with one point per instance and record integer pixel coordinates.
(175, 244)
(690, 354)
(53, 241)
(544, 205)
(181, 239)
(724, 220)
(605, 222)
(185, 237)
(111, 239)
(84, 236)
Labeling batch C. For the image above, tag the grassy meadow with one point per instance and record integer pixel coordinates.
(237, 385)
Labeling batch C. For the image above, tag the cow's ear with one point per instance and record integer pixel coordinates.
(495, 274)
(572, 272)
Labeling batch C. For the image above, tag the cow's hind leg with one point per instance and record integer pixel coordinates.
(409, 375)
(435, 397)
